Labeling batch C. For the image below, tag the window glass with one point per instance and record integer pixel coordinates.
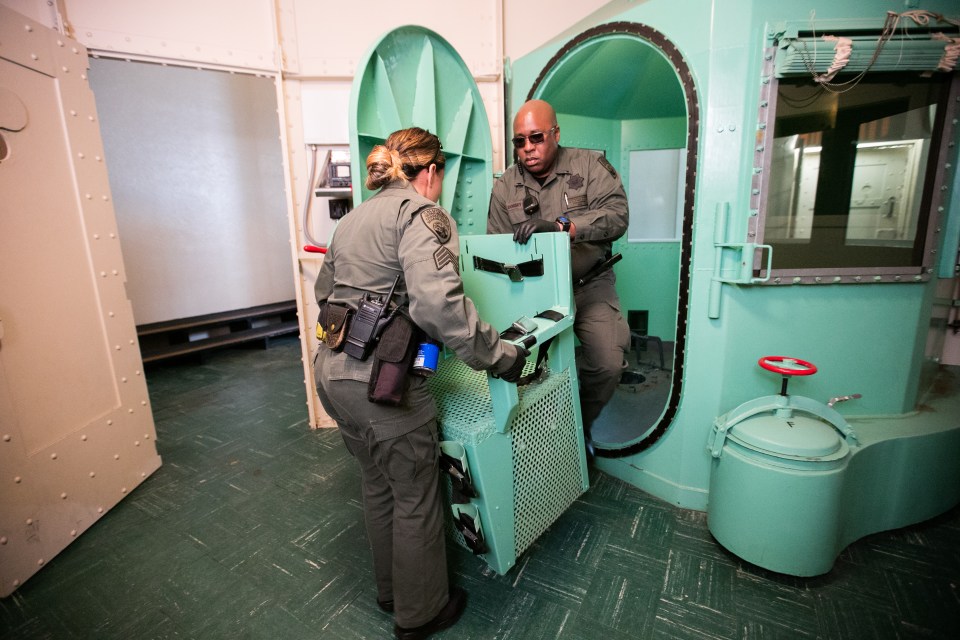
(656, 194)
(851, 172)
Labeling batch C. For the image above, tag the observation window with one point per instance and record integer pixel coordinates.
(847, 173)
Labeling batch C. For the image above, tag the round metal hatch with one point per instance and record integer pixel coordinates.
(796, 437)
(412, 77)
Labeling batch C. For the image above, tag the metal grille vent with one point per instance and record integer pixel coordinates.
(546, 460)
(544, 443)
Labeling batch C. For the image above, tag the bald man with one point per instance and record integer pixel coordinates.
(554, 188)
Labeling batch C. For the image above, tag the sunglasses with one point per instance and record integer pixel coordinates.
(519, 142)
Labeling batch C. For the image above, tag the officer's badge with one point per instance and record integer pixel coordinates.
(606, 165)
(438, 222)
(575, 182)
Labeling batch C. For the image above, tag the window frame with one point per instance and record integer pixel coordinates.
(932, 210)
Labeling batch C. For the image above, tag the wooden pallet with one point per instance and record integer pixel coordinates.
(198, 334)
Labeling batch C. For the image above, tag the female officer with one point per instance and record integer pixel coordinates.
(402, 231)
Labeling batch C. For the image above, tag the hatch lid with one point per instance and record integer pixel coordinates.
(412, 77)
(795, 437)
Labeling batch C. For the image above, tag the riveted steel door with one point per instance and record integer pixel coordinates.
(76, 429)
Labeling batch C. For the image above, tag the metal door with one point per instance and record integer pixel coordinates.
(76, 429)
(411, 77)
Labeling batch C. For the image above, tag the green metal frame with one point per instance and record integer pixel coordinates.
(523, 446)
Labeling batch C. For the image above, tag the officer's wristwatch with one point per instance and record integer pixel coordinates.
(564, 223)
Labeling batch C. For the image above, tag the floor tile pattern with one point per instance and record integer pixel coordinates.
(252, 529)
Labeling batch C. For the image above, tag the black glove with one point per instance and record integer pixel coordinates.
(513, 373)
(532, 226)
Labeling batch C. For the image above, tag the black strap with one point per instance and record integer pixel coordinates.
(538, 370)
(516, 272)
(471, 533)
(550, 314)
(462, 488)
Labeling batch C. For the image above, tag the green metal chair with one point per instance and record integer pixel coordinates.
(515, 453)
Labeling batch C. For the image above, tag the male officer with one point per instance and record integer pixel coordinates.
(554, 188)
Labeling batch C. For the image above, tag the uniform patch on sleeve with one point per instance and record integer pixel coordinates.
(438, 222)
(443, 256)
(606, 165)
(514, 206)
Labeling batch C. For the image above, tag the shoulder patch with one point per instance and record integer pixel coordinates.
(443, 256)
(438, 222)
(606, 165)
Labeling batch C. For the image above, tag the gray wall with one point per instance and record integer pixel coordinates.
(196, 172)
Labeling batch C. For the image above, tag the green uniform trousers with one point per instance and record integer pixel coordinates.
(402, 504)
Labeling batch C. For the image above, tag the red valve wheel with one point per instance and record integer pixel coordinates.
(787, 366)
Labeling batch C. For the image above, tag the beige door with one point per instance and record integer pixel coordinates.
(76, 430)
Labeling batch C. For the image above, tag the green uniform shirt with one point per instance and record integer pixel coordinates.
(585, 188)
(398, 231)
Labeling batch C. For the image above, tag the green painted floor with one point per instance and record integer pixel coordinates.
(252, 529)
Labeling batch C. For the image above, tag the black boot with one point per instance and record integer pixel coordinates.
(447, 617)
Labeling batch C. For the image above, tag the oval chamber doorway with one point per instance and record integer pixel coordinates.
(623, 88)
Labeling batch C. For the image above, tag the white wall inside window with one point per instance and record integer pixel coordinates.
(656, 194)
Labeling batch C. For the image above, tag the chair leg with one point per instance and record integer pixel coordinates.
(636, 338)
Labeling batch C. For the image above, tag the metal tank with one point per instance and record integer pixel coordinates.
(776, 484)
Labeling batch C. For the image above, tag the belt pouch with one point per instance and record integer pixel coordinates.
(333, 321)
(391, 362)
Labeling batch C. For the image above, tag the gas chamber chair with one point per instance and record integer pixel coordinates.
(514, 452)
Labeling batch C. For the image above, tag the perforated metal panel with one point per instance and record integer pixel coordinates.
(527, 477)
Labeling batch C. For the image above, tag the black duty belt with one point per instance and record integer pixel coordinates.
(516, 272)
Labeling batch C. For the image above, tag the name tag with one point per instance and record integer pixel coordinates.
(575, 202)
